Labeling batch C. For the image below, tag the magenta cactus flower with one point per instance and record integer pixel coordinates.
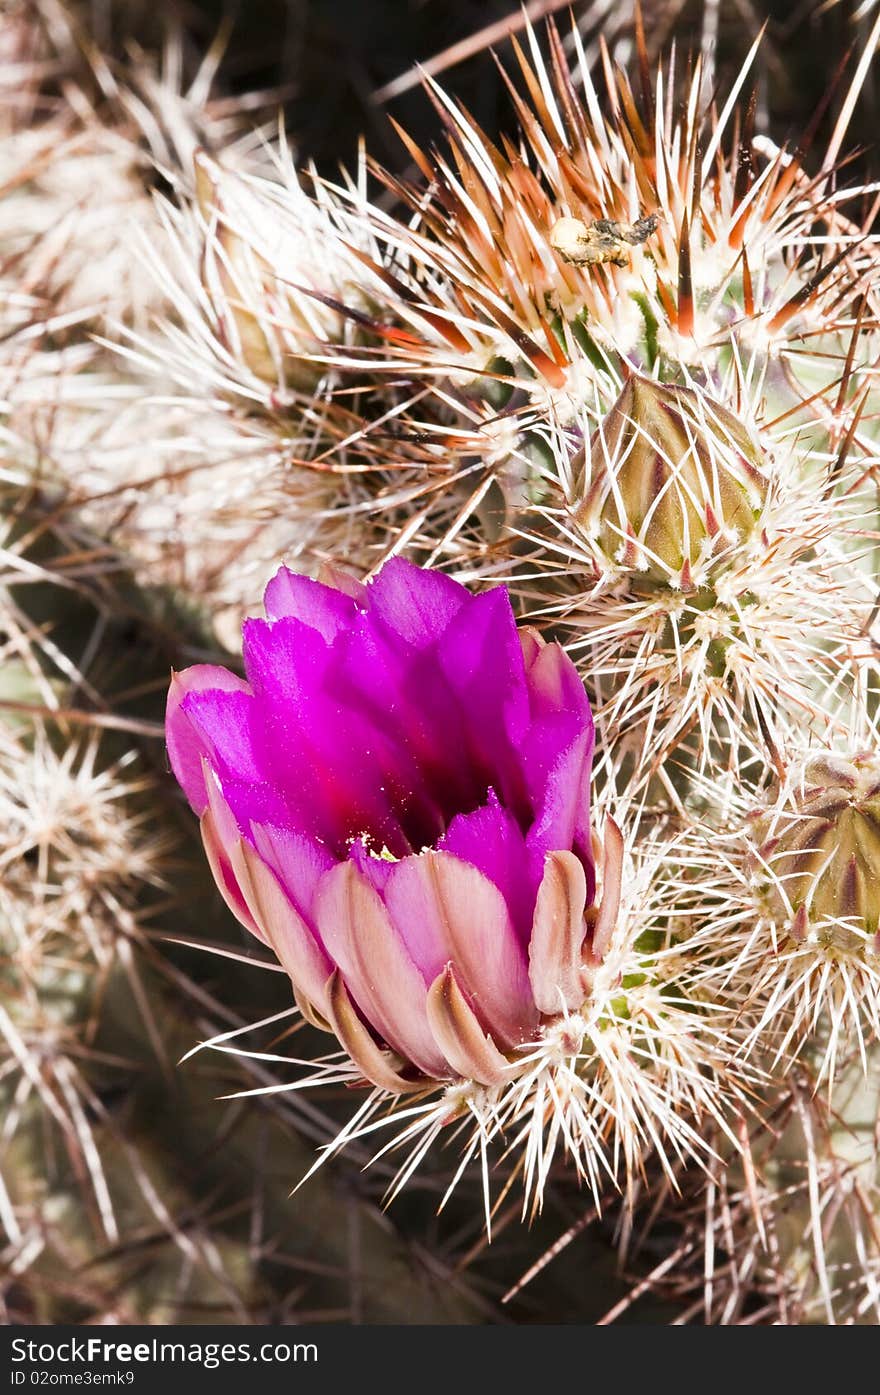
(396, 801)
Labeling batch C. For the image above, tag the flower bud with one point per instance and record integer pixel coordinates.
(821, 853)
(674, 479)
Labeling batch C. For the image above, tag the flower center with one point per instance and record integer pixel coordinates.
(409, 820)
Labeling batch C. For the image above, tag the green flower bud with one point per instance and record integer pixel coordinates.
(822, 851)
(674, 481)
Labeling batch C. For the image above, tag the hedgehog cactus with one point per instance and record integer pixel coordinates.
(549, 799)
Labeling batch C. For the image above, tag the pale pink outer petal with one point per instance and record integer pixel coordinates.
(558, 931)
(282, 926)
(378, 970)
(612, 880)
(459, 1035)
(221, 870)
(463, 917)
(341, 580)
(373, 1063)
(550, 673)
(220, 836)
(531, 642)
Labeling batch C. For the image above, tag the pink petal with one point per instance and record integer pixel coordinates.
(490, 839)
(415, 603)
(221, 870)
(297, 860)
(447, 911)
(481, 656)
(379, 972)
(186, 745)
(229, 727)
(557, 755)
(283, 928)
(322, 608)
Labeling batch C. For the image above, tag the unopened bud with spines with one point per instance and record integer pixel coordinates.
(674, 480)
(817, 855)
